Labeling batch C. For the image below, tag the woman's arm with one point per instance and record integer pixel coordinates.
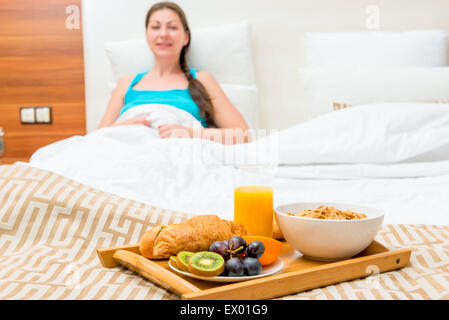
(116, 103)
(232, 127)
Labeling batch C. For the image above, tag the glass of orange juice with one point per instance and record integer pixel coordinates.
(253, 207)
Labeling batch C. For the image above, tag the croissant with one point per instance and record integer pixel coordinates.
(195, 234)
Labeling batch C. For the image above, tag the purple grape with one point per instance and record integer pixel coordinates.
(255, 249)
(236, 242)
(251, 266)
(234, 267)
(221, 248)
(214, 246)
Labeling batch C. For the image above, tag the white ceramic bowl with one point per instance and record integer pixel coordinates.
(325, 239)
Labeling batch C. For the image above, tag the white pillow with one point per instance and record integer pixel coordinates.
(325, 86)
(244, 98)
(372, 133)
(224, 51)
(423, 48)
(128, 57)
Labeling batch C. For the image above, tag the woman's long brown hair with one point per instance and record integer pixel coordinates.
(196, 89)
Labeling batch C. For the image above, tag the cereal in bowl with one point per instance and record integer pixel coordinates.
(324, 212)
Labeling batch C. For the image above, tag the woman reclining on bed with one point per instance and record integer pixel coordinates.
(168, 36)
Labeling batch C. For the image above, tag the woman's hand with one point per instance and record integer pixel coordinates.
(137, 120)
(174, 131)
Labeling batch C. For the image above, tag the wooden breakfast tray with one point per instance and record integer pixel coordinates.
(298, 274)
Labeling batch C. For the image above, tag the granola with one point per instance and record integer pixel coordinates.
(324, 212)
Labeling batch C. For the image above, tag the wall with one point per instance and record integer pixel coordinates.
(41, 64)
(278, 29)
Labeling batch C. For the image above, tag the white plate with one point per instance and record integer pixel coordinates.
(272, 268)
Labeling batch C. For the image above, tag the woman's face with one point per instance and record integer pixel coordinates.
(165, 34)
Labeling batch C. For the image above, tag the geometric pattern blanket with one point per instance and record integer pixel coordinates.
(51, 226)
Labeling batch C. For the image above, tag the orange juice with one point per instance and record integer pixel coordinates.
(253, 207)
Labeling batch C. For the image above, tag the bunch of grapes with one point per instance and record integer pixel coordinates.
(241, 259)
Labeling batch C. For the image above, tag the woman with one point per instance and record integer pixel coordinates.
(168, 36)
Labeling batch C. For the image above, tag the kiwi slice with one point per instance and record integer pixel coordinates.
(182, 260)
(205, 263)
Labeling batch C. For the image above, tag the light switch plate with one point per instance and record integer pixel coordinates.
(43, 114)
(27, 115)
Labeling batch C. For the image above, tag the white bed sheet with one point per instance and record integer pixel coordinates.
(194, 176)
(409, 199)
(406, 200)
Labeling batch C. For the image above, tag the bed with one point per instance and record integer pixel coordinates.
(53, 220)
(108, 187)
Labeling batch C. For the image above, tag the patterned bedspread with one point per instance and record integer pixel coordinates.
(51, 226)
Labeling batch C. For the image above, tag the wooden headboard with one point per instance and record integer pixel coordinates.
(41, 64)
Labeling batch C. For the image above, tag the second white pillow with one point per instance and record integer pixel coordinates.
(325, 86)
(419, 48)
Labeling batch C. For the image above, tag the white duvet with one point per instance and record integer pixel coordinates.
(393, 156)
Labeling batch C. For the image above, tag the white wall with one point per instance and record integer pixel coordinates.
(278, 28)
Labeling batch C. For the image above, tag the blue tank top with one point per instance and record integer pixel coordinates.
(179, 98)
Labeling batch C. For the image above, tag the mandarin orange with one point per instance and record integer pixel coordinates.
(273, 248)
